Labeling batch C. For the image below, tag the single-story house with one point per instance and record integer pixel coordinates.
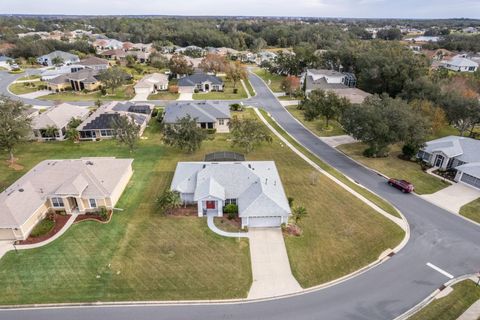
(459, 153)
(115, 54)
(460, 63)
(85, 79)
(94, 63)
(107, 44)
(152, 83)
(58, 71)
(140, 56)
(5, 62)
(343, 84)
(58, 117)
(265, 56)
(201, 82)
(100, 124)
(71, 186)
(254, 186)
(209, 115)
(67, 58)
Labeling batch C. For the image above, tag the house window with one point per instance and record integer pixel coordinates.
(93, 203)
(221, 122)
(106, 132)
(57, 202)
(230, 201)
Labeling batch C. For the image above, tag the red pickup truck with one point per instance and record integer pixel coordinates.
(402, 185)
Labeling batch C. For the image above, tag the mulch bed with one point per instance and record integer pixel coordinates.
(60, 221)
(93, 217)
(292, 230)
(235, 223)
(188, 211)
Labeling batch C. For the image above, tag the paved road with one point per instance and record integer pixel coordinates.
(384, 292)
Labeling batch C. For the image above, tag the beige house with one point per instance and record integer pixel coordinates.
(70, 186)
(209, 115)
(152, 83)
(86, 79)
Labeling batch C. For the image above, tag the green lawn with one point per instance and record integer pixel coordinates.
(450, 307)
(227, 93)
(140, 254)
(472, 210)
(30, 77)
(249, 87)
(164, 95)
(43, 227)
(22, 88)
(122, 93)
(394, 167)
(275, 79)
(317, 126)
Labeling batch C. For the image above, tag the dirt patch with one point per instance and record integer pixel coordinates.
(188, 211)
(225, 224)
(60, 221)
(14, 165)
(94, 217)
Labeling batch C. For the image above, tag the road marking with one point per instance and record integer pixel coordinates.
(445, 273)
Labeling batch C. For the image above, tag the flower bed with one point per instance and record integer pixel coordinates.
(94, 216)
(59, 222)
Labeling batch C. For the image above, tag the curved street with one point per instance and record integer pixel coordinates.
(437, 237)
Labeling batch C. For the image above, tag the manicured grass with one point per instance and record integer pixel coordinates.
(317, 126)
(227, 93)
(30, 77)
(163, 95)
(472, 210)
(22, 88)
(394, 167)
(42, 228)
(249, 87)
(140, 254)
(122, 93)
(453, 305)
(340, 234)
(378, 201)
(275, 79)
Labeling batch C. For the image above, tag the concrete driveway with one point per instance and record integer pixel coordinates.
(336, 141)
(36, 94)
(454, 197)
(185, 96)
(271, 271)
(140, 97)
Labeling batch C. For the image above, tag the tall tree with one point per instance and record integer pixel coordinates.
(179, 65)
(126, 131)
(291, 84)
(214, 63)
(248, 133)
(15, 125)
(326, 104)
(72, 133)
(113, 78)
(236, 72)
(185, 134)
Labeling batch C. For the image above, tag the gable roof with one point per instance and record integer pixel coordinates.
(255, 184)
(65, 56)
(463, 148)
(87, 177)
(198, 78)
(93, 61)
(202, 111)
(59, 116)
(459, 61)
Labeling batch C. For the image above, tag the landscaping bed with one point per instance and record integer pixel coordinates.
(57, 225)
(94, 217)
(187, 211)
(229, 225)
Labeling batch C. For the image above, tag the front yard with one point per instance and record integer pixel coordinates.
(226, 94)
(472, 210)
(25, 87)
(394, 167)
(317, 126)
(142, 255)
(121, 94)
(164, 95)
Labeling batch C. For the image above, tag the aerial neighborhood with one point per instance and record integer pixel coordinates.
(174, 158)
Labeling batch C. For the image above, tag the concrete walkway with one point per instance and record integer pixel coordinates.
(185, 96)
(34, 95)
(336, 141)
(55, 237)
(140, 97)
(454, 197)
(271, 271)
(472, 313)
(213, 227)
(5, 246)
(245, 88)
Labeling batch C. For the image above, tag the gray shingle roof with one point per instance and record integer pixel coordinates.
(202, 111)
(65, 56)
(463, 148)
(59, 116)
(198, 78)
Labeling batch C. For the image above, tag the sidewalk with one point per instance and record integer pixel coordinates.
(472, 313)
(213, 227)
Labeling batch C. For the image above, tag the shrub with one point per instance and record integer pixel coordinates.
(231, 210)
(409, 151)
(42, 228)
(103, 91)
(159, 116)
(235, 90)
(195, 91)
(236, 107)
(103, 213)
(211, 131)
(290, 201)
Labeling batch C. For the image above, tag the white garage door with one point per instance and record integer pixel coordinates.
(474, 181)
(264, 222)
(186, 89)
(142, 90)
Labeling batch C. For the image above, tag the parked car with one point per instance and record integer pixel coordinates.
(402, 185)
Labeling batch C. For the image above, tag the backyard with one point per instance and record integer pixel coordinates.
(122, 93)
(317, 126)
(142, 255)
(394, 167)
(226, 94)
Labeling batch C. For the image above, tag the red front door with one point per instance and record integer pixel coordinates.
(210, 204)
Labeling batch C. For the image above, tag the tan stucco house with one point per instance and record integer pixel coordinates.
(71, 186)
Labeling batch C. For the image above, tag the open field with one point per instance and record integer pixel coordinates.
(317, 126)
(394, 167)
(464, 294)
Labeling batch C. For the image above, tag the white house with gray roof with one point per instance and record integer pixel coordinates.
(209, 115)
(254, 186)
(461, 63)
(459, 153)
(56, 117)
(72, 186)
(67, 58)
(200, 82)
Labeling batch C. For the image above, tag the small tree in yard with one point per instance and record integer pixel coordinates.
(291, 85)
(236, 72)
(72, 132)
(248, 133)
(113, 78)
(57, 61)
(168, 201)
(126, 131)
(213, 63)
(298, 213)
(231, 210)
(14, 125)
(185, 134)
(326, 104)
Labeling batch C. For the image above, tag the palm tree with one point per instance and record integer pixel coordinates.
(168, 201)
(72, 134)
(298, 214)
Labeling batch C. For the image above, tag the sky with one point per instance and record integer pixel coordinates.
(311, 8)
